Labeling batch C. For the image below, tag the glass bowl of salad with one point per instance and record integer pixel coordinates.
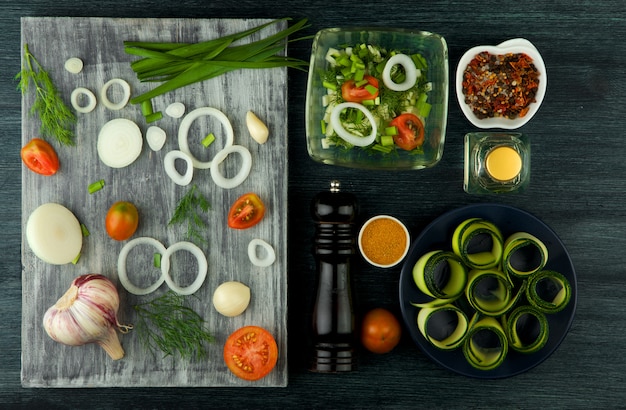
(377, 98)
(501, 86)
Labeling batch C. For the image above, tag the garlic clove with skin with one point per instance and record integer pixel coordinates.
(87, 313)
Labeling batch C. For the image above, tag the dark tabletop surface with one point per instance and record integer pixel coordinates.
(577, 187)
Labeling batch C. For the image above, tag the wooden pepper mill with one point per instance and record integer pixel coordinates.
(334, 213)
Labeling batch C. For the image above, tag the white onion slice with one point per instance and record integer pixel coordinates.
(246, 166)
(74, 65)
(270, 254)
(87, 93)
(125, 96)
(119, 143)
(202, 267)
(185, 124)
(54, 234)
(345, 134)
(409, 69)
(122, 274)
(175, 110)
(155, 136)
(169, 162)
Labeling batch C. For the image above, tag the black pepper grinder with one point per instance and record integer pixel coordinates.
(334, 213)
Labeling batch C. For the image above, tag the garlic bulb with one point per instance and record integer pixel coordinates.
(231, 298)
(87, 313)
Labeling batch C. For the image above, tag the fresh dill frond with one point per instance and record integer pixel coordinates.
(56, 118)
(188, 211)
(166, 324)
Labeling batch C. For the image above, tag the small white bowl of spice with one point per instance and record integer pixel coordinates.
(501, 86)
(384, 241)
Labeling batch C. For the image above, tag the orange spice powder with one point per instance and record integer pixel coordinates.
(383, 241)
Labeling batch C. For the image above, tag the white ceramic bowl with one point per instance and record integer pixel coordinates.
(516, 45)
(380, 243)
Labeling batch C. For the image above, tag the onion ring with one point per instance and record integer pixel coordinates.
(202, 267)
(409, 69)
(246, 166)
(119, 143)
(348, 136)
(185, 124)
(126, 96)
(170, 168)
(121, 266)
(90, 96)
(269, 258)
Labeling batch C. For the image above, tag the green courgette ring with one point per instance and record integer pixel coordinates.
(548, 291)
(527, 329)
(490, 292)
(426, 274)
(454, 337)
(469, 230)
(516, 246)
(480, 355)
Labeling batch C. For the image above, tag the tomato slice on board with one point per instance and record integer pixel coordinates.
(410, 131)
(122, 220)
(247, 211)
(353, 93)
(251, 352)
(40, 157)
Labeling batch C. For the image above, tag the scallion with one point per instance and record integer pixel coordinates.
(208, 140)
(96, 186)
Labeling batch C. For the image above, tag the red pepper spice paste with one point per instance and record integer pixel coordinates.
(502, 85)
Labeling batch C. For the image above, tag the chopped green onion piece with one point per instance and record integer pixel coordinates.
(358, 76)
(96, 186)
(154, 117)
(208, 140)
(84, 230)
(323, 126)
(383, 149)
(391, 130)
(347, 72)
(329, 85)
(146, 108)
(424, 109)
(360, 83)
(368, 102)
(156, 260)
(386, 140)
(371, 89)
(75, 260)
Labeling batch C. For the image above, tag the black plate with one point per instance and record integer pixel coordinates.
(437, 235)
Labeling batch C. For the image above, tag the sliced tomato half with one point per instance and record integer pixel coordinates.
(251, 353)
(40, 157)
(247, 211)
(410, 131)
(352, 92)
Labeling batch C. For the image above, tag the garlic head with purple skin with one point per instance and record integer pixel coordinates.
(87, 313)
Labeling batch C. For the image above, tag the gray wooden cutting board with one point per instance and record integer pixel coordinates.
(99, 43)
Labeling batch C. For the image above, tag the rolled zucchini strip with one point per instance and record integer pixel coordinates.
(548, 291)
(527, 329)
(490, 292)
(524, 254)
(440, 274)
(486, 344)
(478, 242)
(444, 327)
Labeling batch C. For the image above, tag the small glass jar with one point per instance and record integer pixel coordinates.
(496, 162)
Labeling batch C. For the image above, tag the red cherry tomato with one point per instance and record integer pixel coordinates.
(247, 211)
(353, 93)
(410, 131)
(251, 353)
(380, 331)
(40, 157)
(122, 220)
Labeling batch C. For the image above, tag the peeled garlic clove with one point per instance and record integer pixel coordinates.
(155, 136)
(257, 128)
(231, 298)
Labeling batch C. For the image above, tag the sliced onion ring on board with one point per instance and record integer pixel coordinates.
(90, 97)
(125, 96)
(246, 166)
(122, 273)
(409, 69)
(202, 267)
(270, 254)
(185, 125)
(355, 140)
(169, 162)
(119, 143)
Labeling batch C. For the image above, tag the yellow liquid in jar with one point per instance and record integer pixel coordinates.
(503, 163)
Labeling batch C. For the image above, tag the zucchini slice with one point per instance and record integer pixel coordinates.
(490, 292)
(527, 329)
(440, 274)
(486, 344)
(524, 254)
(548, 291)
(444, 327)
(479, 243)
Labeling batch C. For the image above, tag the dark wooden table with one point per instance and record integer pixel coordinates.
(577, 187)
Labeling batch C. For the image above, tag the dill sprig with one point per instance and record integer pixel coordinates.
(187, 211)
(55, 116)
(168, 325)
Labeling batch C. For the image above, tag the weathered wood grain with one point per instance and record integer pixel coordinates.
(99, 43)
